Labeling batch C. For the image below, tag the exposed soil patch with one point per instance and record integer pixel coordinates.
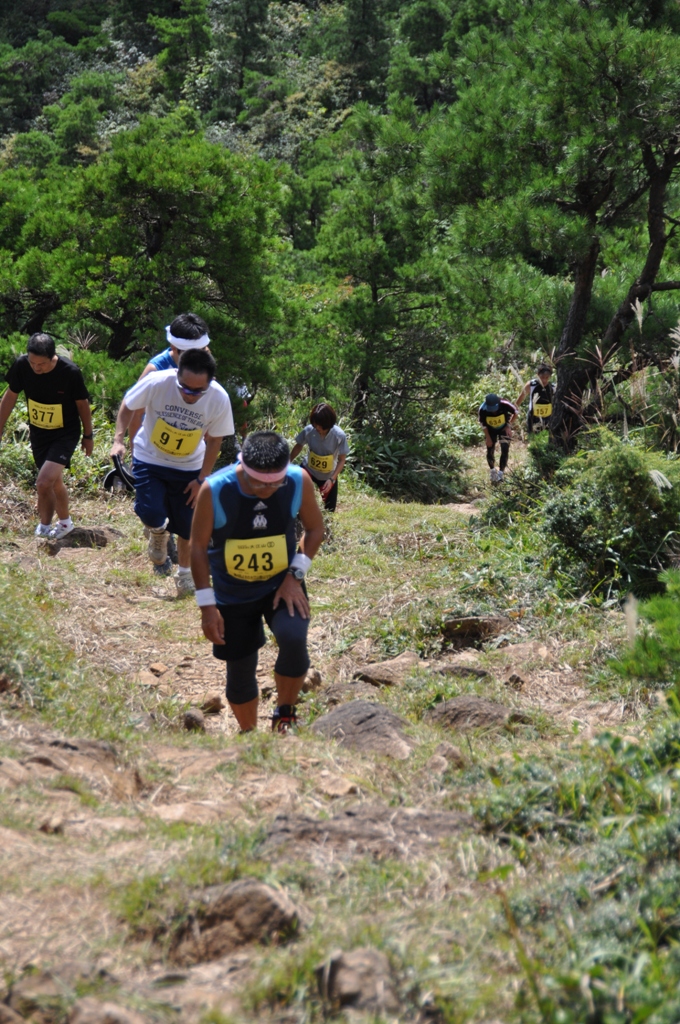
(367, 829)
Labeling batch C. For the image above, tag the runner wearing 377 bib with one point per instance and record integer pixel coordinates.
(58, 403)
(244, 535)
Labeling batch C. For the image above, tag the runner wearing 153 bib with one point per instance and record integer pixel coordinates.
(541, 392)
(58, 403)
(244, 535)
(186, 415)
(496, 416)
(328, 451)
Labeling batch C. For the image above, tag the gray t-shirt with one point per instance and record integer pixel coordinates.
(323, 451)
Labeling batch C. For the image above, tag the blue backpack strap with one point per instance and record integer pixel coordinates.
(216, 482)
(296, 473)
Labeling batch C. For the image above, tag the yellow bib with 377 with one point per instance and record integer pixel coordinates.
(495, 421)
(47, 417)
(173, 440)
(321, 463)
(543, 411)
(257, 558)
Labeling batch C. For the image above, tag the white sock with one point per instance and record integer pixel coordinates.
(183, 570)
(66, 522)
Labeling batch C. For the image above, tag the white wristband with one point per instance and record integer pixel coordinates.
(205, 597)
(301, 561)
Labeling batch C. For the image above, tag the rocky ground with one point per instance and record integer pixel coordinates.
(160, 867)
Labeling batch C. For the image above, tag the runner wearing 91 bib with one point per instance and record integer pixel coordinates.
(244, 535)
(186, 415)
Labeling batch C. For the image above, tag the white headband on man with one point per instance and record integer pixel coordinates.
(184, 344)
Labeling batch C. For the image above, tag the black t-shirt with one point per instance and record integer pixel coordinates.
(52, 396)
(497, 420)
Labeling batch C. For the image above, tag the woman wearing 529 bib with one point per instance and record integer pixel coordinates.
(328, 451)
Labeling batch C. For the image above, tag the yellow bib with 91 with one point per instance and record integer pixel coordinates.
(174, 441)
(256, 559)
(47, 417)
(321, 463)
(543, 411)
(495, 421)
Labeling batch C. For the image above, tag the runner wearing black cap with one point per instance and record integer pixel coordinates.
(496, 416)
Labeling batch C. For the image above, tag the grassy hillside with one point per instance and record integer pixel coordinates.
(537, 885)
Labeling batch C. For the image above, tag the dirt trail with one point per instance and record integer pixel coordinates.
(84, 822)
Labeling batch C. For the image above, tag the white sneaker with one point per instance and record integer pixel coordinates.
(185, 584)
(500, 478)
(493, 475)
(158, 545)
(43, 531)
(61, 530)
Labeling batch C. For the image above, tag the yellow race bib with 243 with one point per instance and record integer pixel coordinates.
(47, 417)
(257, 558)
(321, 463)
(543, 411)
(173, 440)
(495, 421)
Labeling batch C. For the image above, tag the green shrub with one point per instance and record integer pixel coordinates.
(613, 517)
(414, 469)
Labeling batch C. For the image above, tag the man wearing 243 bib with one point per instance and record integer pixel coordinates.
(244, 534)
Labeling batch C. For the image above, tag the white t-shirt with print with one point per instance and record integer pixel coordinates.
(172, 426)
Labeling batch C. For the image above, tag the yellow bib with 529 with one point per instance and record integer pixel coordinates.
(321, 463)
(256, 559)
(47, 417)
(174, 441)
(495, 421)
(543, 411)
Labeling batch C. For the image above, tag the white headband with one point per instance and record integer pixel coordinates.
(183, 344)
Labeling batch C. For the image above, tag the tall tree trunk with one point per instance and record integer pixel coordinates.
(573, 375)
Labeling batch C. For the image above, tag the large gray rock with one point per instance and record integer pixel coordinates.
(389, 673)
(373, 829)
(43, 993)
(83, 537)
(470, 712)
(367, 727)
(469, 630)
(229, 916)
(361, 980)
(91, 1011)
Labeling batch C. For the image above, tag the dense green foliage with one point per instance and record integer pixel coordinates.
(368, 201)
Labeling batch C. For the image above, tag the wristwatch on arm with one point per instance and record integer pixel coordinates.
(299, 566)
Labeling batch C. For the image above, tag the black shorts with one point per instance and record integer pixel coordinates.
(244, 634)
(57, 449)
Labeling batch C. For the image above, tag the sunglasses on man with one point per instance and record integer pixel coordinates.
(194, 392)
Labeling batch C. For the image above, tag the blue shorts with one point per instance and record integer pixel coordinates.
(159, 495)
